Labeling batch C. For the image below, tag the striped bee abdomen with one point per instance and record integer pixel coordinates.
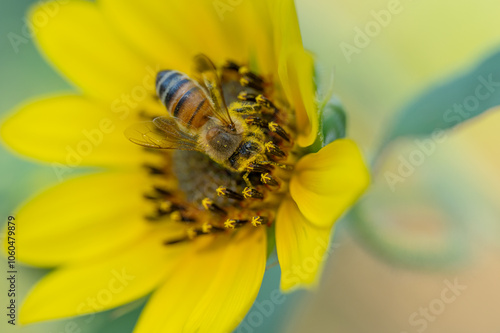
(183, 97)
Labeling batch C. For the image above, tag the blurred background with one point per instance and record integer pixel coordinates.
(420, 252)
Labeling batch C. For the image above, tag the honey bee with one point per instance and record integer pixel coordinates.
(200, 121)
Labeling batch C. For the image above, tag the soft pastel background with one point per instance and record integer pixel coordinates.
(390, 257)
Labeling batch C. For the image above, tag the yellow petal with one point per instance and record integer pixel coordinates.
(249, 30)
(170, 33)
(301, 247)
(85, 217)
(325, 184)
(71, 131)
(152, 28)
(213, 288)
(102, 284)
(286, 25)
(82, 45)
(295, 69)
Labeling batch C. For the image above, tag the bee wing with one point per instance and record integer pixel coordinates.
(161, 133)
(206, 75)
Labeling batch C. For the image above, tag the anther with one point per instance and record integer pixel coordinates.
(208, 204)
(232, 223)
(261, 99)
(153, 218)
(165, 207)
(245, 96)
(256, 167)
(231, 66)
(275, 128)
(156, 194)
(258, 220)
(246, 81)
(252, 193)
(178, 217)
(175, 241)
(267, 179)
(162, 191)
(206, 227)
(191, 233)
(225, 192)
(154, 170)
(215, 228)
(150, 196)
(245, 71)
(273, 149)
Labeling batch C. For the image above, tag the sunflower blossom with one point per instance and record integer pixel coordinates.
(187, 223)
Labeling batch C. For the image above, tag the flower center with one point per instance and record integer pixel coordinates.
(228, 169)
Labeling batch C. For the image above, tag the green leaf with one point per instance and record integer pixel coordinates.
(333, 121)
(332, 124)
(450, 103)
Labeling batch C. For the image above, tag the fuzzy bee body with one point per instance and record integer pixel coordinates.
(250, 147)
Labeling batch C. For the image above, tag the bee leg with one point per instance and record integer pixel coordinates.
(257, 121)
(279, 165)
(246, 108)
(249, 191)
(245, 178)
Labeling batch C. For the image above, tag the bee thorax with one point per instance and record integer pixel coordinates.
(220, 143)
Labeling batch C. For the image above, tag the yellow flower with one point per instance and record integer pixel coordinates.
(138, 226)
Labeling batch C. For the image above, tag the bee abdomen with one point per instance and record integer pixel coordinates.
(183, 98)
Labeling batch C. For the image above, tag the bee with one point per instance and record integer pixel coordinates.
(200, 121)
